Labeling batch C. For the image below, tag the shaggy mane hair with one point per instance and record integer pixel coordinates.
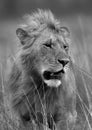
(39, 19)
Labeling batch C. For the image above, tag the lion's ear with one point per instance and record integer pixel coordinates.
(22, 35)
(65, 31)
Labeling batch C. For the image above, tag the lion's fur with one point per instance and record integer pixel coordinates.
(29, 93)
(39, 19)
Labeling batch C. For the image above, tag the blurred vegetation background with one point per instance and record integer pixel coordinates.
(76, 14)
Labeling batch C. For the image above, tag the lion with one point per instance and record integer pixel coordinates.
(42, 81)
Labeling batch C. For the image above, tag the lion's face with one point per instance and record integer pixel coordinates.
(50, 56)
(52, 52)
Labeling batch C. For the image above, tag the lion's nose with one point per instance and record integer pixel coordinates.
(63, 61)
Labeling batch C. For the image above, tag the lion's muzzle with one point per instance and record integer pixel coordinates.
(53, 78)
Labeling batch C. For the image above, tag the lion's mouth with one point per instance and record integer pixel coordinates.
(52, 75)
(53, 78)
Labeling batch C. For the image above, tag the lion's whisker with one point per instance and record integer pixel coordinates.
(83, 71)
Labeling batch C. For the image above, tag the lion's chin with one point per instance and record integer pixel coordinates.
(53, 82)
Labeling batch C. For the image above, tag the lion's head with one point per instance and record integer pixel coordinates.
(45, 46)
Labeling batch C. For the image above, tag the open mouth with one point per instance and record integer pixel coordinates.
(53, 75)
(53, 79)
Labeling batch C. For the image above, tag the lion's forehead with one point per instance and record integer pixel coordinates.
(49, 54)
(47, 35)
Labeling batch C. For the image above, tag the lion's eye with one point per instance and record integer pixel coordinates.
(66, 47)
(48, 45)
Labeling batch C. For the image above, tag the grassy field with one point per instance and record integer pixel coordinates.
(81, 48)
